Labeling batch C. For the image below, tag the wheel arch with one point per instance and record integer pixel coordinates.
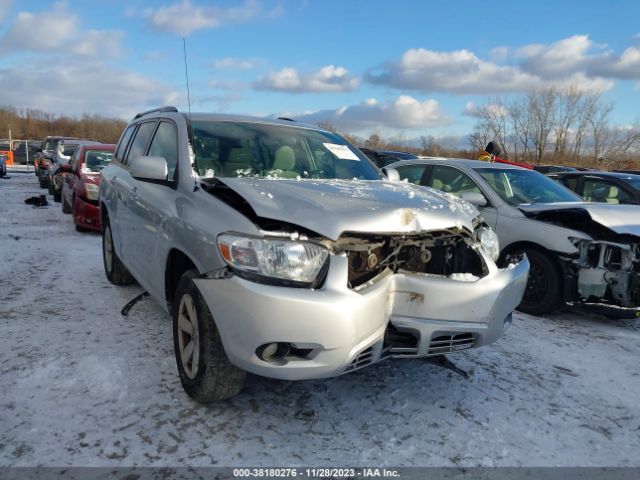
(177, 263)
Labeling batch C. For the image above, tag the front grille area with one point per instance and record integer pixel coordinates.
(437, 253)
(451, 343)
(400, 343)
(363, 359)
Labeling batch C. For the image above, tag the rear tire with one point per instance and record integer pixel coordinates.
(114, 269)
(57, 195)
(205, 371)
(50, 186)
(544, 292)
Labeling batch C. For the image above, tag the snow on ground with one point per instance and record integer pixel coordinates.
(82, 385)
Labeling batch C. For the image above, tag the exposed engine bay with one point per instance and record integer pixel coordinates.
(443, 253)
(606, 268)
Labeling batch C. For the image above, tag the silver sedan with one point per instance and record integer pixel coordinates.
(579, 251)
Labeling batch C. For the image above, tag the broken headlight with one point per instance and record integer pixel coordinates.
(488, 240)
(292, 261)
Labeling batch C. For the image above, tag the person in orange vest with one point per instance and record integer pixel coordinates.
(492, 154)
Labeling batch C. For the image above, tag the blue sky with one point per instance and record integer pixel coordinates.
(402, 68)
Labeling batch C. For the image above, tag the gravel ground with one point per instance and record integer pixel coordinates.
(83, 386)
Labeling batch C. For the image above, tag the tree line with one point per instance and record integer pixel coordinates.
(33, 124)
(568, 126)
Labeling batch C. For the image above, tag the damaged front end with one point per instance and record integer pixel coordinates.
(608, 271)
(605, 267)
(450, 252)
(324, 286)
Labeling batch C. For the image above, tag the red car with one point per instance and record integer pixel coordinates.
(80, 185)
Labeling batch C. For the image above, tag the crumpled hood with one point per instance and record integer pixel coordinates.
(331, 207)
(622, 219)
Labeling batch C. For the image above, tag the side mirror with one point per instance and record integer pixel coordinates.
(392, 174)
(149, 168)
(477, 199)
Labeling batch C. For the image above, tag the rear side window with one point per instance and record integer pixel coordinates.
(140, 141)
(165, 144)
(124, 141)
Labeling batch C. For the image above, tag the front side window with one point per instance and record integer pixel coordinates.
(602, 191)
(140, 142)
(451, 180)
(165, 144)
(239, 149)
(521, 187)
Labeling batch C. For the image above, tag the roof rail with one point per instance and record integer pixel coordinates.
(286, 119)
(156, 110)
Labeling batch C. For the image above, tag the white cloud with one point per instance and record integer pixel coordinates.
(404, 112)
(184, 18)
(479, 111)
(230, 63)
(327, 79)
(499, 54)
(74, 88)
(459, 71)
(63, 33)
(25, 32)
(575, 60)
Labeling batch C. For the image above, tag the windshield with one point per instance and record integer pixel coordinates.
(518, 187)
(50, 145)
(244, 149)
(68, 150)
(96, 160)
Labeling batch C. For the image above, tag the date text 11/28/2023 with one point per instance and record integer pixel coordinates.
(315, 472)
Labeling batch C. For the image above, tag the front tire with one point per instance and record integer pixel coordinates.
(544, 292)
(57, 195)
(114, 269)
(205, 371)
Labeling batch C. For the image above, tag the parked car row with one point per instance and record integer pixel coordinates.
(70, 169)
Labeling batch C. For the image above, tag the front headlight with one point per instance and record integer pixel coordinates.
(93, 191)
(489, 242)
(293, 261)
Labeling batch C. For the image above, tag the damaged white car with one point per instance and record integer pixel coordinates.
(280, 250)
(580, 252)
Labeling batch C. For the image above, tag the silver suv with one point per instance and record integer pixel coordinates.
(279, 249)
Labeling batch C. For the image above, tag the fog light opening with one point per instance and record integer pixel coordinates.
(273, 352)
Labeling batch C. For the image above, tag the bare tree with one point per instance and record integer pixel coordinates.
(482, 134)
(541, 104)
